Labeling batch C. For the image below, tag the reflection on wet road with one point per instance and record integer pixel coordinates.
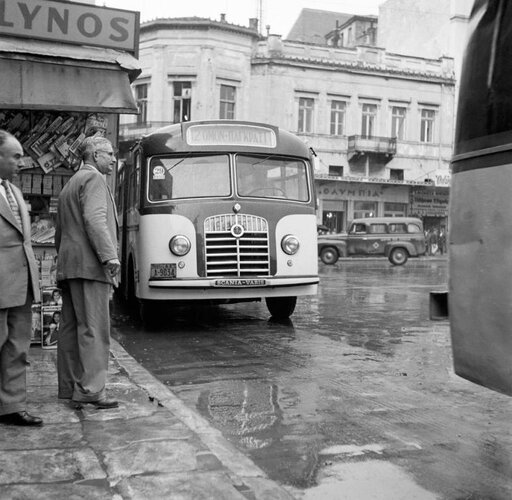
(352, 397)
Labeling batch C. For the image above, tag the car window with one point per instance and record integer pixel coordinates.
(378, 228)
(397, 228)
(413, 228)
(359, 228)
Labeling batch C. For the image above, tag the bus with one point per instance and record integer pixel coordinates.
(217, 211)
(480, 214)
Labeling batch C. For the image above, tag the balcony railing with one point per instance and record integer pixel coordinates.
(359, 145)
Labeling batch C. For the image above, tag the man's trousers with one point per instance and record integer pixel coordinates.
(84, 340)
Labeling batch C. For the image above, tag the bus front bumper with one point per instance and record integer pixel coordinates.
(235, 283)
(225, 288)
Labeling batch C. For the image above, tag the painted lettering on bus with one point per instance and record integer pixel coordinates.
(38, 19)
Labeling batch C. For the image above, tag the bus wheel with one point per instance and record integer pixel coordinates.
(150, 312)
(281, 307)
(398, 256)
(329, 255)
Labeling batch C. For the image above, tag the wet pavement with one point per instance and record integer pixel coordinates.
(152, 446)
(354, 398)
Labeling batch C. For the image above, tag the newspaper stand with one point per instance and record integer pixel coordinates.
(64, 76)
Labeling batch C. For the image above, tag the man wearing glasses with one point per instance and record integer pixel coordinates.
(87, 266)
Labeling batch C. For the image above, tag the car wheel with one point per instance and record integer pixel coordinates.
(398, 256)
(329, 255)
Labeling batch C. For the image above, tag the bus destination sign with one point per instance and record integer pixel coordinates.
(231, 135)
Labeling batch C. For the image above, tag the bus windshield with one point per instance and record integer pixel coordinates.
(271, 177)
(189, 177)
(258, 176)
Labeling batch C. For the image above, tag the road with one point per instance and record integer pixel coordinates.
(354, 398)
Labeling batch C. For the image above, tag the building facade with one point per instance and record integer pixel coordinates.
(381, 124)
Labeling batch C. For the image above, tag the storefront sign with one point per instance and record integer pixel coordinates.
(442, 178)
(70, 23)
(354, 192)
(372, 180)
(430, 203)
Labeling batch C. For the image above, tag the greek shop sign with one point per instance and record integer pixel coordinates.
(69, 22)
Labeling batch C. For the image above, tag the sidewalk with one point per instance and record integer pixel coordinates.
(151, 447)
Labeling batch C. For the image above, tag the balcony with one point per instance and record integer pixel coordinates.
(382, 147)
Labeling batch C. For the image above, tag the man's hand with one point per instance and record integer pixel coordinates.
(112, 266)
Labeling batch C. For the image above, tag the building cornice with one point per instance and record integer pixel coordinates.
(354, 67)
(196, 23)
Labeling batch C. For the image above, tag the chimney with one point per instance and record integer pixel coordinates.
(223, 18)
(253, 23)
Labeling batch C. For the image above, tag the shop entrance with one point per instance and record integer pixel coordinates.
(334, 220)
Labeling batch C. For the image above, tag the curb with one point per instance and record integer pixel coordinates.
(242, 469)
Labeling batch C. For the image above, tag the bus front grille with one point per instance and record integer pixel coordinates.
(242, 255)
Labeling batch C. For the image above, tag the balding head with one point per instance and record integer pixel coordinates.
(11, 154)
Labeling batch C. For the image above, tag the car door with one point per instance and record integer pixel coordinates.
(377, 237)
(357, 239)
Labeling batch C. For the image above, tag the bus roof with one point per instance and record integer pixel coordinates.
(224, 136)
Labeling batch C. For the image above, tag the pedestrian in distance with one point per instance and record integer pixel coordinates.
(19, 287)
(87, 266)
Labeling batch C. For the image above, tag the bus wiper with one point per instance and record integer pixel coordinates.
(261, 161)
(177, 163)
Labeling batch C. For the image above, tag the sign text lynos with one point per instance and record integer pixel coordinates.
(69, 23)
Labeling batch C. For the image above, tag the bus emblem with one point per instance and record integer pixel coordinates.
(237, 230)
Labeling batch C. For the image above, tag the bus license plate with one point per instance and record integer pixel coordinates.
(162, 271)
(240, 282)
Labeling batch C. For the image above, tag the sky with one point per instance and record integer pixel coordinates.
(279, 14)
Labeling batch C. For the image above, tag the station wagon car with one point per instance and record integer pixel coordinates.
(396, 238)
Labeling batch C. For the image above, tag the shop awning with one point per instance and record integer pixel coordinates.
(44, 75)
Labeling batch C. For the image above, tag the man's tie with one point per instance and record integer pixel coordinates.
(12, 203)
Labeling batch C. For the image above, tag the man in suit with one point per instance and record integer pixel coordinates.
(87, 265)
(19, 286)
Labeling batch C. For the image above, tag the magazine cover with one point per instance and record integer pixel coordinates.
(51, 296)
(50, 326)
(35, 337)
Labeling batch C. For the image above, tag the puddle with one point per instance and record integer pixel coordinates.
(368, 480)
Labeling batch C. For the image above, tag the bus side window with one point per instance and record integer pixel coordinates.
(137, 181)
(134, 181)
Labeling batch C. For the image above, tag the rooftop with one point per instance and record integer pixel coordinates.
(313, 24)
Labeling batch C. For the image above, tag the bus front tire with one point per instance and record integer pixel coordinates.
(398, 256)
(329, 255)
(281, 307)
(150, 312)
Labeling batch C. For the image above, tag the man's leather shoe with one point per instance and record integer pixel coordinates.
(20, 418)
(100, 404)
(105, 404)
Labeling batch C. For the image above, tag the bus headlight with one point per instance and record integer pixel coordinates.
(179, 245)
(290, 244)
